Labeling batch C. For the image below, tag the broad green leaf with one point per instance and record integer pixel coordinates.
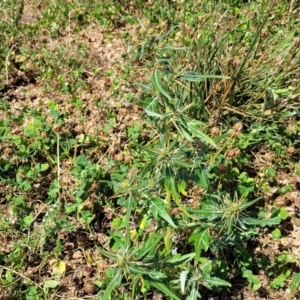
(276, 234)
(50, 284)
(279, 281)
(286, 257)
(295, 284)
(28, 220)
(117, 223)
(9, 277)
(283, 213)
(161, 287)
(81, 161)
(157, 207)
(114, 283)
(252, 279)
(156, 81)
(194, 127)
(196, 77)
(44, 167)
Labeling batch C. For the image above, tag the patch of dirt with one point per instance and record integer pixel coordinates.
(24, 91)
(98, 105)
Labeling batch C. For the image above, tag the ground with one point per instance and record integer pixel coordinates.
(83, 75)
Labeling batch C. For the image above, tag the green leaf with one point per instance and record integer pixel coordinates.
(196, 77)
(156, 81)
(118, 223)
(149, 246)
(28, 220)
(202, 175)
(151, 273)
(252, 279)
(50, 284)
(44, 167)
(283, 213)
(183, 277)
(114, 283)
(183, 164)
(81, 161)
(276, 234)
(157, 207)
(108, 254)
(279, 281)
(8, 276)
(179, 259)
(172, 187)
(201, 241)
(182, 188)
(263, 223)
(161, 287)
(295, 284)
(129, 201)
(194, 294)
(215, 281)
(194, 127)
(153, 114)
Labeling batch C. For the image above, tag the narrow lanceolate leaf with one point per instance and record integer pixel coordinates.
(265, 222)
(114, 283)
(183, 164)
(153, 114)
(196, 77)
(157, 83)
(183, 276)
(158, 208)
(179, 259)
(128, 214)
(204, 239)
(108, 254)
(162, 288)
(172, 187)
(201, 241)
(149, 246)
(215, 281)
(194, 294)
(194, 127)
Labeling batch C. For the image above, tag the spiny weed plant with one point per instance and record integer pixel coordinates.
(184, 215)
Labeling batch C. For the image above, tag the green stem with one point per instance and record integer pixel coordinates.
(169, 233)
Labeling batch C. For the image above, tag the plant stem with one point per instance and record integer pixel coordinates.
(169, 233)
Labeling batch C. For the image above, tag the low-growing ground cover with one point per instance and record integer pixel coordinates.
(149, 150)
